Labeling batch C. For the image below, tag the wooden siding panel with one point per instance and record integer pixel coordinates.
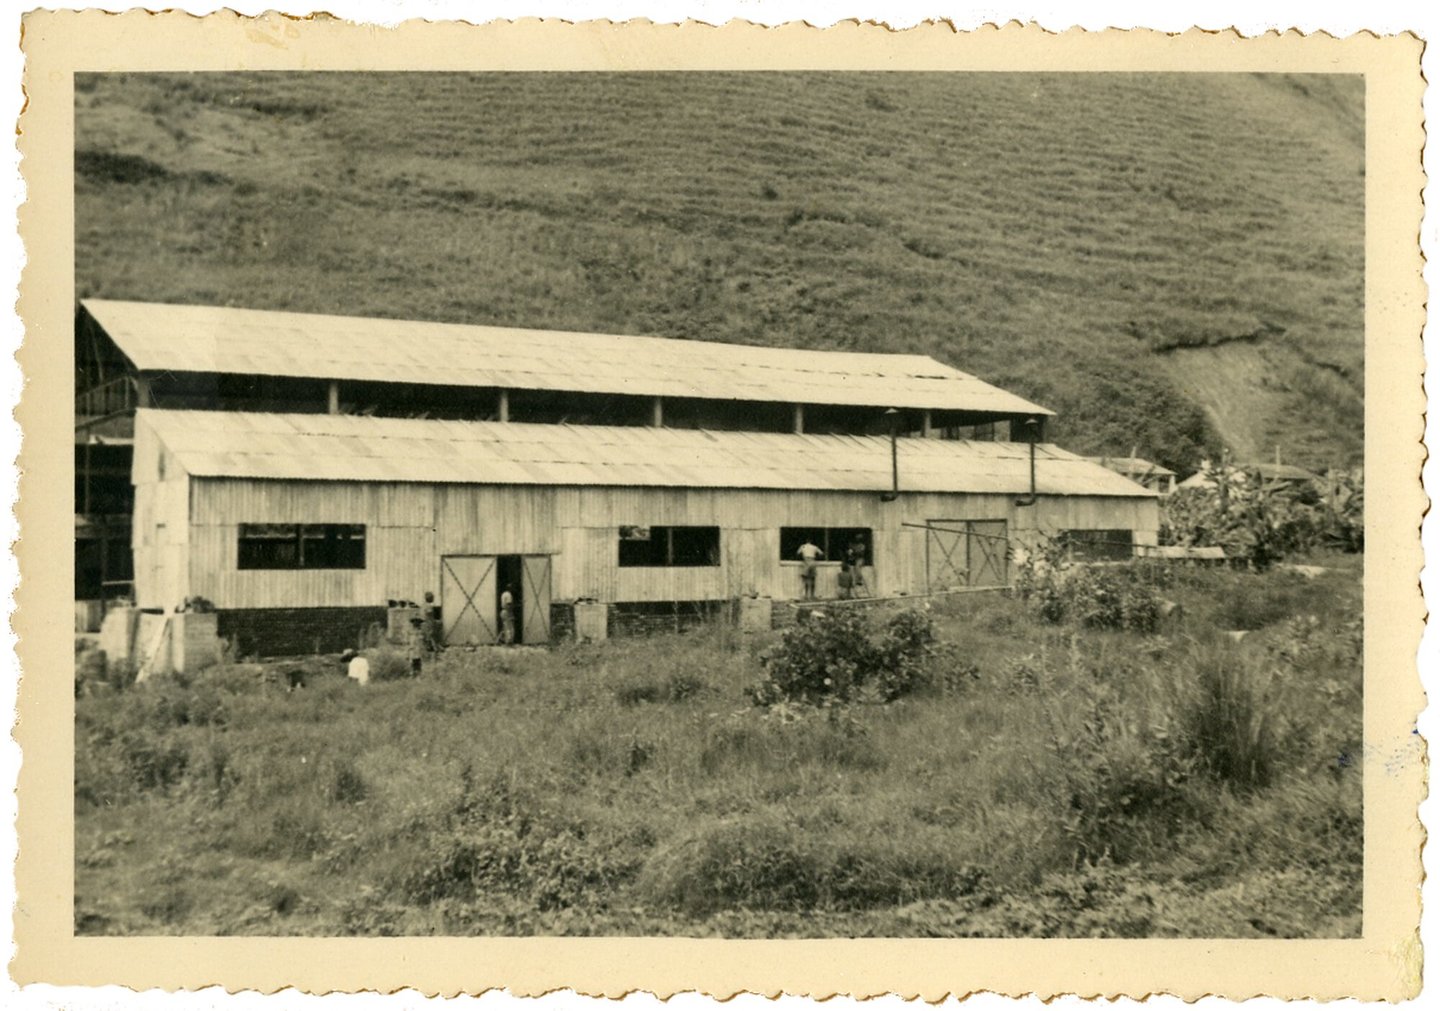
(586, 565)
(638, 584)
(236, 501)
(410, 526)
(400, 563)
(159, 533)
(492, 520)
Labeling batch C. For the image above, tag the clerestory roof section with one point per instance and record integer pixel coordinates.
(327, 447)
(213, 339)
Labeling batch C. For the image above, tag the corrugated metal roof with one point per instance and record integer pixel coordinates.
(1267, 472)
(186, 338)
(1131, 465)
(320, 447)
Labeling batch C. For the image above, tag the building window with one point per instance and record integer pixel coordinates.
(834, 541)
(302, 546)
(669, 547)
(1099, 545)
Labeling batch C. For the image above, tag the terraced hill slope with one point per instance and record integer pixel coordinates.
(1170, 261)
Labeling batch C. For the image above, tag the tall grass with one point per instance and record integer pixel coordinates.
(632, 787)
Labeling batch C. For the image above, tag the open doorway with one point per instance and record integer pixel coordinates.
(510, 576)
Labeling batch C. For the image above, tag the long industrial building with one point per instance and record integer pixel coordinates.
(298, 472)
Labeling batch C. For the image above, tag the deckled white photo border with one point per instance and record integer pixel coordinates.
(1375, 965)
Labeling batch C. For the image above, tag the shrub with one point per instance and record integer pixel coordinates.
(1114, 597)
(902, 655)
(1233, 723)
(387, 663)
(1124, 788)
(154, 762)
(819, 660)
(831, 658)
(347, 785)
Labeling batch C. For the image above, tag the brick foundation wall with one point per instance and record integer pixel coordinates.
(297, 631)
(562, 622)
(680, 616)
(787, 612)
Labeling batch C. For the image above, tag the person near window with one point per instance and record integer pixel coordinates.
(810, 555)
(855, 564)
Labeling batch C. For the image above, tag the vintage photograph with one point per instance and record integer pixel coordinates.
(706, 504)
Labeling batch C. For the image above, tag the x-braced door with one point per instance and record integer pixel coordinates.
(946, 563)
(965, 553)
(536, 598)
(989, 553)
(467, 599)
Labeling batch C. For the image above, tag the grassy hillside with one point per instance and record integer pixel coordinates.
(1167, 260)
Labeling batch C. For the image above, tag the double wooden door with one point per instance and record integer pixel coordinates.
(470, 599)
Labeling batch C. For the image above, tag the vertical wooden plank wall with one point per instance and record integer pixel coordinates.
(409, 527)
(160, 529)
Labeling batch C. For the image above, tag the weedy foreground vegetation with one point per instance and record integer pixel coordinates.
(988, 766)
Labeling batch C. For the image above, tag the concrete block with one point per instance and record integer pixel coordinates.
(592, 622)
(755, 614)
(152, 645)
(117, 635)
(397, 623)
(195, 640)
(88, 615)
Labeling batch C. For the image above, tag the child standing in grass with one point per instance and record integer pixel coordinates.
(431, 614)
(415, 645)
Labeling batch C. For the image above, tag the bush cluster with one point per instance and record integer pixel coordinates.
(1114, 597)
(1263, 522)
(836, 656)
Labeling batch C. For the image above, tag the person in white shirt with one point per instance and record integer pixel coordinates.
(507, 617)
(810, 555)
(358, 669)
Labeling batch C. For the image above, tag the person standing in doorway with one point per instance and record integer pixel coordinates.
(810, 556)
(507, 616)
